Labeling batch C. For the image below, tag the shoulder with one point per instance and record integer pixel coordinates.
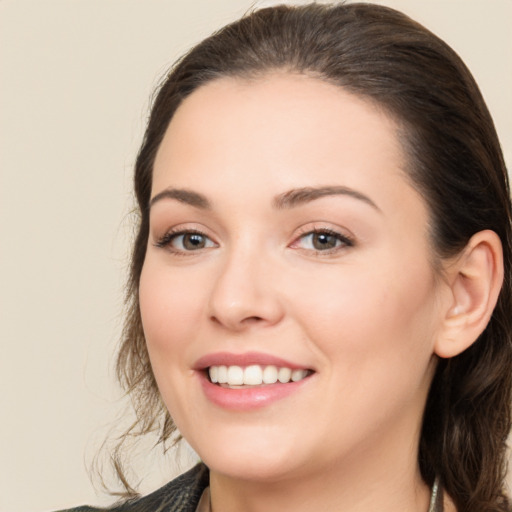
(179, 495)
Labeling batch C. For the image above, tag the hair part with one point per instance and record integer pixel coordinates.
(455, 162)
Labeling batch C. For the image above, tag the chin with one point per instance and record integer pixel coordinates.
(261, 468)
(258, 458)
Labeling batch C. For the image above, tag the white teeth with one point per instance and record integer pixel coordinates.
(222, 374)
(298, 375)
(270, 375)
(235, 376)
(254, 375)
(284, 375)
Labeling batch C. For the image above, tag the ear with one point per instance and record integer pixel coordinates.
(475, 279)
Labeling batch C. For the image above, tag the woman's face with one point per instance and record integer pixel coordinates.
(286, 243)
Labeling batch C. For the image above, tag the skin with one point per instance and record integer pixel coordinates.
(364, 315)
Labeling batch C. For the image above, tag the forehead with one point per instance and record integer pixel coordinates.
(282, 131)
(277, 117)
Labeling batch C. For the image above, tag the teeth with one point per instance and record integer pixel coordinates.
(254, 375)
(284, 375)
(235, 375)
(270, 375)
(298, 375)
(222, 374)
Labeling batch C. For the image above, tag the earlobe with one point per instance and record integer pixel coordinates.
(475, 280)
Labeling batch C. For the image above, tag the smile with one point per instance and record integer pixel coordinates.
(254, 375)
(251, 380)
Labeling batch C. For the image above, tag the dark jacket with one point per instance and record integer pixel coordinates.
(180, 495)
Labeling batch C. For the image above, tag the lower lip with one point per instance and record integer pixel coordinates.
(246, 399)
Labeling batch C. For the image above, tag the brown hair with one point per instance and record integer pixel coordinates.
(455, 162)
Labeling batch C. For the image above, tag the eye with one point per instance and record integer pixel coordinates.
(324, 240)
(185, 241)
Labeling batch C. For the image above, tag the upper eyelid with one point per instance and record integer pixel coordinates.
(183, 228)
(319, 227)
(172, 233)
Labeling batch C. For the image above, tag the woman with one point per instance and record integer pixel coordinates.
(320, 288)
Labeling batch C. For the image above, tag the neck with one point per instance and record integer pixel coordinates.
(324, 494)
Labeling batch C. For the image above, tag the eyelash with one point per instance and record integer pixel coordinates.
(166, 240)
(345, 241)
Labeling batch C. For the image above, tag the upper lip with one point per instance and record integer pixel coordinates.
(244, 359)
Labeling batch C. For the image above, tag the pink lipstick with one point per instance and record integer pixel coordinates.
(249, 381)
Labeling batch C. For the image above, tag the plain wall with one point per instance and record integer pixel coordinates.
(76, 78)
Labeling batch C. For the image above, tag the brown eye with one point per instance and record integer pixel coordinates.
(185, 241)
(323, 241)
(192, 241)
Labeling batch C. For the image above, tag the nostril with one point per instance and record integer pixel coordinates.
(252, 319)
(245, 321)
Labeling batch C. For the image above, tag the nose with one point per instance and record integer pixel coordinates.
(244, 293)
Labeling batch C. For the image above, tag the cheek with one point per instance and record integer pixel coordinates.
(168, 308)
(376, 314)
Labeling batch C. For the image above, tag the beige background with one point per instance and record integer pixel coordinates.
(76, 77)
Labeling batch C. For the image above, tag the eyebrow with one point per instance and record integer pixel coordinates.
(299, 196)
(183, 196)
(290, 199)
